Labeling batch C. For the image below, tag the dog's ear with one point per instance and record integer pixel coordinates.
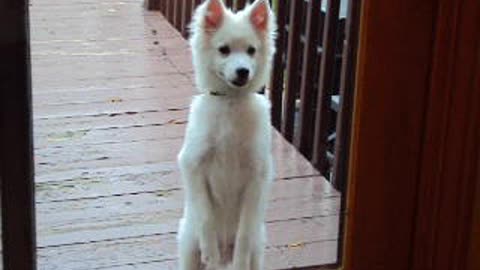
(214, 15)
(259, 14)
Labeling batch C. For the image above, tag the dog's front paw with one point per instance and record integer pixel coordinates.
(229, 267)
(210, 256)
(233, 266)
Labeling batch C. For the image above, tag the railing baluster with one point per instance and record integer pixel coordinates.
(347, 86)
(325, 87)
(293, 61)
(241, 4)
(163, 6)
(178, 15)
(186, 16)
(307, 92)
(152, 4)
(170, 10)
(229, 4)
(277, 85)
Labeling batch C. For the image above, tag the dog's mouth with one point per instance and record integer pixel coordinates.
(240, 82)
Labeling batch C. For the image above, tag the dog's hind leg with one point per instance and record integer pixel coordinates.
(188, 249)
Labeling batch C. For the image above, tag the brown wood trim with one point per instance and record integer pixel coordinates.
(451, 141)
(394, 61)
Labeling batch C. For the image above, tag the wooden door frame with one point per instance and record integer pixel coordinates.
(16, 154)
(451, 152)
(393, 71)
(415, 141)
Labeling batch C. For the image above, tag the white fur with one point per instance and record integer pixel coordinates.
(226, 161)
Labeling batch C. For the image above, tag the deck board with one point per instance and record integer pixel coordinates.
(111, 88)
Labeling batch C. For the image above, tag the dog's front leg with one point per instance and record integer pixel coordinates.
(208, 240)
(250, 238)
(202, 214)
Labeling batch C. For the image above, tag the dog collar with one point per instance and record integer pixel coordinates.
(217, 94)
(222, 94)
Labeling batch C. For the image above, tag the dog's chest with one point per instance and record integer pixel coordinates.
(231, 166)
(233, 153)
(229, 172)
(231, 141)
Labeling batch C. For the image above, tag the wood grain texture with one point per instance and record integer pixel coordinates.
(111, 85)
(392, 83)
(451, 151)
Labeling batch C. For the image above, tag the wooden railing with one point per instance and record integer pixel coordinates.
(313, 76)
(179, 12)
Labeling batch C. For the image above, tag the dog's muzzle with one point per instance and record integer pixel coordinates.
(242, 77)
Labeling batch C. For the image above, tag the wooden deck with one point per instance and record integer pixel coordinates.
(111, 86)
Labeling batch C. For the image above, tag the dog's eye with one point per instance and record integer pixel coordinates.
(251, 50)
(225, 50)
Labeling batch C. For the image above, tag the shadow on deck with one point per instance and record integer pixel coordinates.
(111, 86)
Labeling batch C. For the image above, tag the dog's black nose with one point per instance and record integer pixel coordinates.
(242, 73)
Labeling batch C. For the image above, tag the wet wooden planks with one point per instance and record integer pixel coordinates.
(111, 85)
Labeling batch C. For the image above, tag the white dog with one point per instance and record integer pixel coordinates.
(226, 161)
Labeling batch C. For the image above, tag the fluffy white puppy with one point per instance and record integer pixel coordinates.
(226, 162)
